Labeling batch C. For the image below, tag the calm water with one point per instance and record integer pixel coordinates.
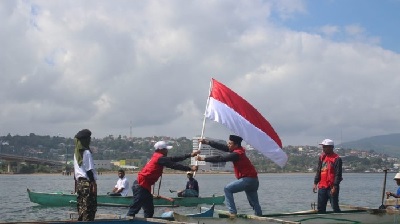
(277, 193)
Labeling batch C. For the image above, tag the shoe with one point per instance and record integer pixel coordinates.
(232, 216)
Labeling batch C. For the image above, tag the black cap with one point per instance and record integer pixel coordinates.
(236, 139)
(84, 133)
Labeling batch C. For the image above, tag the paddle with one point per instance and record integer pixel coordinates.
(384, 189)
(172, 191)
(163, 197)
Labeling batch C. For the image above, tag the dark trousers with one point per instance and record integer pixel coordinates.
(87, 201)
(142, 198)
(324, 194)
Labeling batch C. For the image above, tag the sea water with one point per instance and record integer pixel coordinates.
(287, 192)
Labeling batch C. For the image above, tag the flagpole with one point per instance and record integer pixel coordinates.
(204, 122)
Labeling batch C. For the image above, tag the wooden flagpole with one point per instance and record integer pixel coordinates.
(204, 122)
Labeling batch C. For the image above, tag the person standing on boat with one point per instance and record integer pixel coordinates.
(245, 172)
(148, 176)
(192, 187)
(122, 186)
(328, 177)
(85, 177)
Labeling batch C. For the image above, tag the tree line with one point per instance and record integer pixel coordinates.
(140, 150)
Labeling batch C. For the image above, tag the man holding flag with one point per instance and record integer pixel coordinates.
(228, 108)
(151, 172)
(246, 174)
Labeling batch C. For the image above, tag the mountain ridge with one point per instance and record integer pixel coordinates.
(387, 144)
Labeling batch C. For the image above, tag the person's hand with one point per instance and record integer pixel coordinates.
(314, 188)
(195, 168)
(333, 190)
(388, 194)
(204, 141)
(195, 153)
(93, 187)
(199, 158)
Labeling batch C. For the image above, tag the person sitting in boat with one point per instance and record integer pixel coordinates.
(192, 187)
(397, 195)
(122, 186)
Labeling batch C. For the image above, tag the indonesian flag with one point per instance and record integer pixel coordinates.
(230, 109)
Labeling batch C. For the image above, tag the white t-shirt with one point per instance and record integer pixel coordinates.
(87, 164)
(123, 183)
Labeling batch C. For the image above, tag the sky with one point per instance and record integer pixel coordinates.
(313, 69)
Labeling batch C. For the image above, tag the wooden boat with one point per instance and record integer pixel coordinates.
(362, 215)
(392, 202)
(208, 212)
(102, 221)
(66, 199)
(352, 215)
(116, 219)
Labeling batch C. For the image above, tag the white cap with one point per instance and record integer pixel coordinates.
(327, 142)
(189, 172)
(162, 145)
(397, 176)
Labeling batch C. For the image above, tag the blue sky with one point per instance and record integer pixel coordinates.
(377, 18)
(314, 69)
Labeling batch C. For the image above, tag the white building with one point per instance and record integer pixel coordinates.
(207, 150)
(105, 164)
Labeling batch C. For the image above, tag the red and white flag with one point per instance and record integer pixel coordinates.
(230, 109)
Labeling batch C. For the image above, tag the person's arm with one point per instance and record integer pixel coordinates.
(75, 185)
(196, 186)
(317, 177)
(338, 172)
(217, 145)
(388, 194)
(90, 174)
(92, 180)
(170, 162)
(223, 158)
(178, 158)
(167, 162)
(187, 185)
(338, 175)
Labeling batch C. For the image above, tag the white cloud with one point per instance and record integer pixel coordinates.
(329, 30)
(102, 64)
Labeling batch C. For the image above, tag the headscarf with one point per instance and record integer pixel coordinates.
(82, 141)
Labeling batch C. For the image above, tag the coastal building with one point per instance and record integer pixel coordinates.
(207, 150)
(104, 164)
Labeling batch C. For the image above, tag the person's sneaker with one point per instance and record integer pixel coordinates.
(232, 216)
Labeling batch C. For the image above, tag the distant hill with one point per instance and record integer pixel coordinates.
(388, 144)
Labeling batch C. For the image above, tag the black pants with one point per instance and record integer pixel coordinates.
(324, 194)
(142, 198)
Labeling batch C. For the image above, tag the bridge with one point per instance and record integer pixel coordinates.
(24, 159)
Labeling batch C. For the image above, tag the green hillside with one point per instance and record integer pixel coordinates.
(387, 144)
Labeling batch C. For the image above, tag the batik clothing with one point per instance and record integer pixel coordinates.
(85, 175)
(87, 201)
